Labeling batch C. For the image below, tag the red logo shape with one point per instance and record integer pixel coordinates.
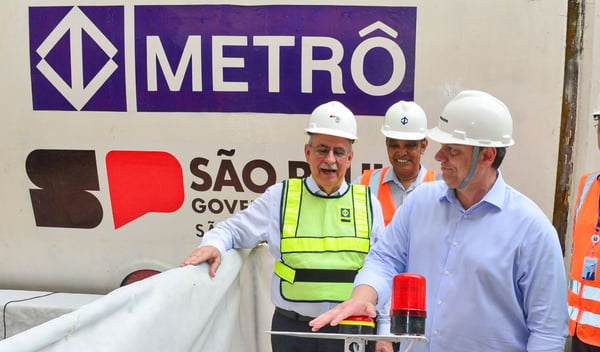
(142, 182)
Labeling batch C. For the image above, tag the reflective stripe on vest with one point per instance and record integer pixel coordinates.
(591, 293)
(590, 319)
(573, 312)
(327, 244)
(384, 193)
(574, 286)
(323, 242)
(588, 292)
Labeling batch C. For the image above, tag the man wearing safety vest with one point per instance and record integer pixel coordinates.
(495, 276)
(583, 294)
(404, 127)
(319, 230)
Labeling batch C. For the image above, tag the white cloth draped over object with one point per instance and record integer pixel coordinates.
(182, 309)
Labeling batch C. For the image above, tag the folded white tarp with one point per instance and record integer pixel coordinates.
(23, 309)
(182, 309)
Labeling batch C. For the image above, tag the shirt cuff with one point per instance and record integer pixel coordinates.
(383, 325)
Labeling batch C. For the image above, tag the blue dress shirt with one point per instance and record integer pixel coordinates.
(495, 273)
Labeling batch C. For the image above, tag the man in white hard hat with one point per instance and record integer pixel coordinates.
(491, 258)
(583, 295)
(404, 127)
(319, 230)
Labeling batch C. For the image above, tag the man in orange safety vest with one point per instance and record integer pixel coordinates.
(583, 295)
(404, 126)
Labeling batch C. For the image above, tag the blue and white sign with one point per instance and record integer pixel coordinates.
(223, 58)
(77, 58)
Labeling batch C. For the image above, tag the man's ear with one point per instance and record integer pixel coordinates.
(350, 156)
(488, 155)
(306, 152)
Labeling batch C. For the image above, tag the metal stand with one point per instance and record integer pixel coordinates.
(355, 342)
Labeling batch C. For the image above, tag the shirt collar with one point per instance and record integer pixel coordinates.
(494, 197)
(312, 186)
(390, 176)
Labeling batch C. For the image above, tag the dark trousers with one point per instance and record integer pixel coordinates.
(285, 343)
(578, 346)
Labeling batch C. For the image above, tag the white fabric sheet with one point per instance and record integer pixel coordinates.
(182, 309)
(23, 310)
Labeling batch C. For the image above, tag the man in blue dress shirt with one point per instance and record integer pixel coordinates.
(491, 258)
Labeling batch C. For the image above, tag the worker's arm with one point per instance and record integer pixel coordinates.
(204, 254)
(246, 229)
(362, 302)
(542, 281)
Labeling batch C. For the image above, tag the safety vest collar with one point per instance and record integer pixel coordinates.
(312, 187)
(589, 180)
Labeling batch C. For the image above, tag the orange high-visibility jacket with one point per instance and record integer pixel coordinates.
(384, 193)
(583, 295)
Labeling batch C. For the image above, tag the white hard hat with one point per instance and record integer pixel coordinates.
(474, 118)
(333, 118)
(405, 120)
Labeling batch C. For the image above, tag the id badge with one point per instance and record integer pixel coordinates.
(589, 268)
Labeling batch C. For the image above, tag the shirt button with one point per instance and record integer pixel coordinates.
(435, 332)
(446, 272)
(439, 302)
(455, 244)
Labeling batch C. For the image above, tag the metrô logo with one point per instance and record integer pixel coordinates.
(77, 58)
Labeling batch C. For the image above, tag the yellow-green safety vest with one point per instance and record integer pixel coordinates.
(324, 242)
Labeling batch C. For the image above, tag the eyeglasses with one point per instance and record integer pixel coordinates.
(323, 151)
(596, 119)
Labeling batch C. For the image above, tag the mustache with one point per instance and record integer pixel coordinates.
(327, 166)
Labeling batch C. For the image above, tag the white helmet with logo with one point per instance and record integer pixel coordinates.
(405, 120)
(333, 118)
(474, 118)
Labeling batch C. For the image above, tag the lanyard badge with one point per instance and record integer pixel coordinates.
(590, 263)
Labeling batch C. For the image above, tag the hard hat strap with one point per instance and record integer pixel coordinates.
(472, 168)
